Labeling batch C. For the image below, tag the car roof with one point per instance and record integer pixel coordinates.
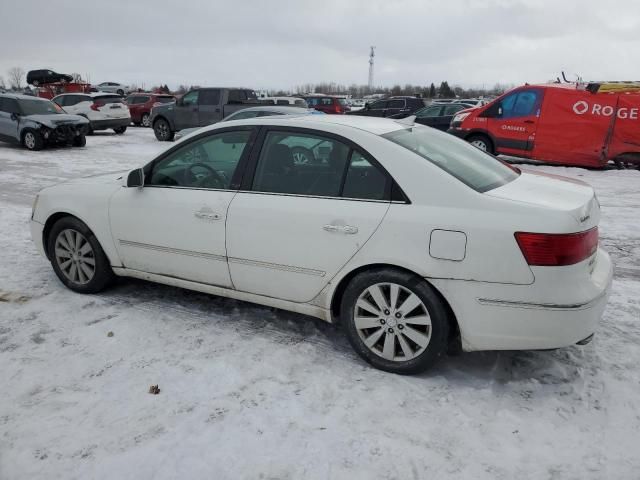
(275, 108)
(375, 125)
(19, 96)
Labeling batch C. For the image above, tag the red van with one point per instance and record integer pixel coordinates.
(570, 124)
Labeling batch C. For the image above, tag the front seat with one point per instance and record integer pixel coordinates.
(278, 173)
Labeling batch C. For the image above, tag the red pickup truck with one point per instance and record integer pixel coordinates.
(570, 124)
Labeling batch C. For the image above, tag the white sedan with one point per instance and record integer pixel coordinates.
(412, 239)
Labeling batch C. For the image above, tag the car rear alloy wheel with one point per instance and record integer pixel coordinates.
(162, 130)
(145, 120)
(395, 320)
(75, 257)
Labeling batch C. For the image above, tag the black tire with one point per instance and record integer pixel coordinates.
(80, 141)
(478, 140)
(32, 140)
(144, 120)
(120, 130)
(120, 92)
(102, 276)
(436, 345)
(162, 130)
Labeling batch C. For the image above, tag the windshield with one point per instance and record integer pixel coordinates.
(108, 99)
(39, 107)
(475, 168)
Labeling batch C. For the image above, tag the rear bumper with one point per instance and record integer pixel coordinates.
(517, 317)
(110, 123)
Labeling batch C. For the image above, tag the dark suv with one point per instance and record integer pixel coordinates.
(328, 104)
(140, 105)
(391, 106)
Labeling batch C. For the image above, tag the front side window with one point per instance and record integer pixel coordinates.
(478, 170)
(190, 98)
(453, 109)
(433, 111)
(38, 107)
(378, 105)
(237, 96)
(519, 104)
(208, 162)
(314, 165)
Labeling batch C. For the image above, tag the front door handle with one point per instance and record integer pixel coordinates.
(346, 229)
(207, 215)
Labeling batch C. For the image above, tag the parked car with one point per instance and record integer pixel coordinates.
(472, 102)
(103, 110)
(436, 115)
(254, 112)
(390, 106)
(39, 77)
(36, 122)
(140, 105)
(557, 123)
(412, 239)
(293, 101)
(113, 87)
(197, 108)
(328, 104)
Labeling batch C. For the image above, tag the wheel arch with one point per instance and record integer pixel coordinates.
(338, 293)
(483, 133)
(55, 216)
(165, 118)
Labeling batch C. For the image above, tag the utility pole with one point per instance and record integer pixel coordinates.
(371, 55)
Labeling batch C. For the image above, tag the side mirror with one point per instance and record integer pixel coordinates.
(179, 102)
(499, 111)
(135, 178)
(367, 106)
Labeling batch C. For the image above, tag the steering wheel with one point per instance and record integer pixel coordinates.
(213, 180)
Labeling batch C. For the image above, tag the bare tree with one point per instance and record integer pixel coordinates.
(3, 86)
(15, 75)
(76, 78)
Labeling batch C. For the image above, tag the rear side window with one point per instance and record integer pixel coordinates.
(364, 180)
(108, 99)
(314, 165)
(165, 99)
(433, 111)
(237, 96)
(395, 104)
(478, 170)
(210, 97)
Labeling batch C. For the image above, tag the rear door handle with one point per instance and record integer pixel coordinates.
(207, 215)
(346, 229)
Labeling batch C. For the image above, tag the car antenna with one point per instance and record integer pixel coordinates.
(565, 78)
(409, 121)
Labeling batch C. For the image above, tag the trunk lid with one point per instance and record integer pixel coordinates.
(555, 192)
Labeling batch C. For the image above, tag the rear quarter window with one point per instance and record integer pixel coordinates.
(476, 169)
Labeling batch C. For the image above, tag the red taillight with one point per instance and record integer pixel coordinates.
(96, 105)
(555, 250)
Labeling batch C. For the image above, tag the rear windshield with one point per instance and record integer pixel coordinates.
(39, 107)
(165, 99)
(477, 169)
(108, 99)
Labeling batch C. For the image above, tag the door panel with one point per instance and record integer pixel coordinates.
(186, 115)
(209, 107)
(172, 231)
(175, 225)
(290, 247)
(514, 131)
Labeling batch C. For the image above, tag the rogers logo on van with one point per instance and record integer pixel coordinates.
(513, 128)
(582, 107)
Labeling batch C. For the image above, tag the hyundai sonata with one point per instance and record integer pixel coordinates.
(412, 239)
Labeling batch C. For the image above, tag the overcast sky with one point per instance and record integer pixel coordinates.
(280, 44)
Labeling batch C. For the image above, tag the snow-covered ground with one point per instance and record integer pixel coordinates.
(251, 392)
